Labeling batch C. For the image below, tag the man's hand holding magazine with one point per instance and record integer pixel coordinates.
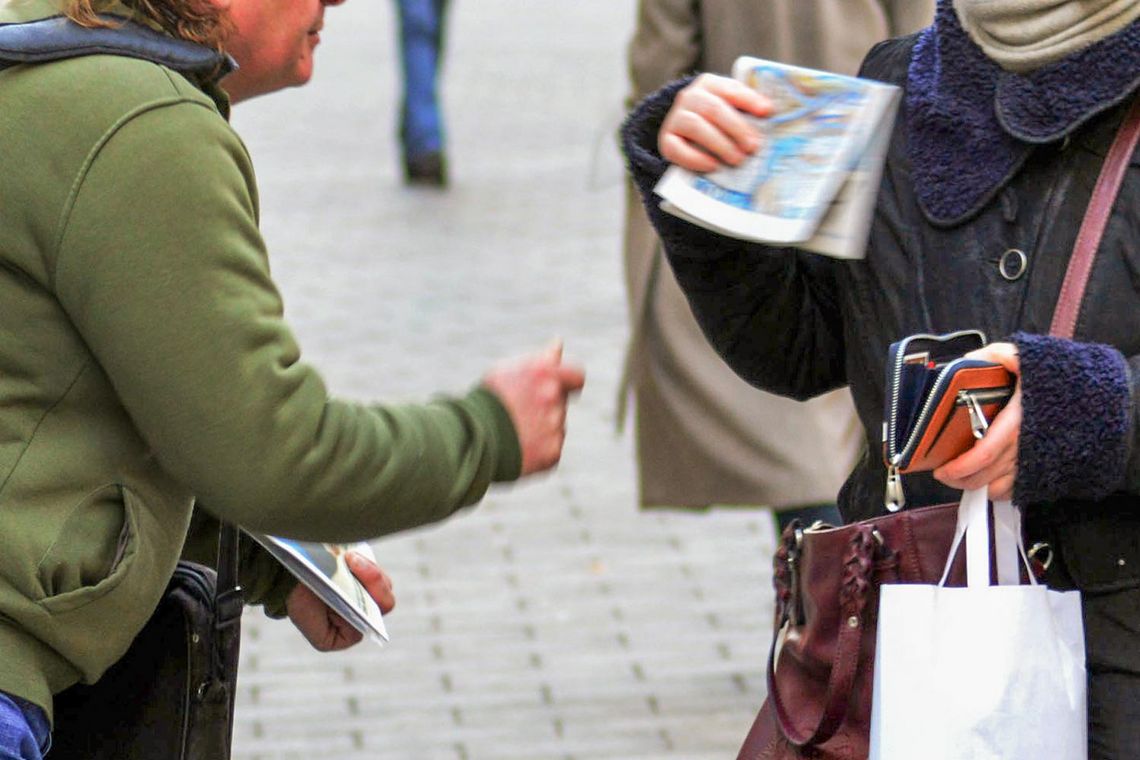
(320, 624)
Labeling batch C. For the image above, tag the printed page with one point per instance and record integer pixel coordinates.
(820, 130)
(323, 569)
(844, 229)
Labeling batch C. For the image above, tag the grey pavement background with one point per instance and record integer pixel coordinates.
(554, 620)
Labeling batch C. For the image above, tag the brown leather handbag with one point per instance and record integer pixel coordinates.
(827, 600)
(827, 580)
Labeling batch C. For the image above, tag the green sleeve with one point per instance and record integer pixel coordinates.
(162, 269)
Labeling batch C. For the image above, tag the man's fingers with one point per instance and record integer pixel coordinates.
(344, 634)
(571, 378)
(375, 581)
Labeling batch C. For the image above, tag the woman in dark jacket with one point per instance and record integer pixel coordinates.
(1009, 107)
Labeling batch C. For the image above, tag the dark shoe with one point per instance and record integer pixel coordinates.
(429, 169)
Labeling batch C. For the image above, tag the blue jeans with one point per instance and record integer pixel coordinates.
(24, 730)
(421, 47)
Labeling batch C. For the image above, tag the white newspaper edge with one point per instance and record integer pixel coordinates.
(369, 620)
(686, 202)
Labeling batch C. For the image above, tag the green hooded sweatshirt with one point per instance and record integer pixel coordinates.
(144, 363)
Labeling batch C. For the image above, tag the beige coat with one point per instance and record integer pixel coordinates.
(704, 436)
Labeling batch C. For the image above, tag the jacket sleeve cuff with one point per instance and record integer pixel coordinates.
(645, 164)
(1076, 419)
(275, 585)
(639, 137)
(508, 466)
(682, 240)
(263, 579)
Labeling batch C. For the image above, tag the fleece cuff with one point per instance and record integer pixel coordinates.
(1076, 419)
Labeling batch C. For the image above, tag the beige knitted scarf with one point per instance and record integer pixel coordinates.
(1022, 35)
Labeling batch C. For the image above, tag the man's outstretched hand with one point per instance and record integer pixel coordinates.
(535, 391)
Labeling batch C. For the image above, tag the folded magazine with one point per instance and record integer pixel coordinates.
(323, 569)
(813, 181)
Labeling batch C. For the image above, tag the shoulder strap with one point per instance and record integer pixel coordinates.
(57, 38)
(228, 595)
(1092, 228)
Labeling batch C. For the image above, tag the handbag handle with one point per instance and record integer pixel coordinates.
(858, 563)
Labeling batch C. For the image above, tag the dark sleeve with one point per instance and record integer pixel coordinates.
(1078, 421)
(264, 580)
(771, 313)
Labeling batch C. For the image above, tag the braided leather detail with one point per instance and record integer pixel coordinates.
(857, 573)
(782, 575)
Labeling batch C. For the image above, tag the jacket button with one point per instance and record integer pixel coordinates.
(1013, 264)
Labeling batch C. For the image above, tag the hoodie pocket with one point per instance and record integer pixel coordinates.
(92, 551)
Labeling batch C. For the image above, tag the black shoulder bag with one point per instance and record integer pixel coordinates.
(171, 697)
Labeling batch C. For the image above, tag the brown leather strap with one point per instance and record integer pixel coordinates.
(1092, 228)
(858, 566)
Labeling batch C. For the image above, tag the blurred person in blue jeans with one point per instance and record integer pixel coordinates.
(421, 125)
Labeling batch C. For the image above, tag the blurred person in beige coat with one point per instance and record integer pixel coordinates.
(704, 436)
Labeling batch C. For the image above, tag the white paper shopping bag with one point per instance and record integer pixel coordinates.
(981, 672)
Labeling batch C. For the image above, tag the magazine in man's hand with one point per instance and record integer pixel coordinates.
(813, 181)
(323, 569)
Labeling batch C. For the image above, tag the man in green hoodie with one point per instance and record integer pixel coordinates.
(144, 360)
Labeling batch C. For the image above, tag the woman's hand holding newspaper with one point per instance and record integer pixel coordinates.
(705, 127)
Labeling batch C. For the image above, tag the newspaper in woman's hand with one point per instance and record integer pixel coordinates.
(812, 182)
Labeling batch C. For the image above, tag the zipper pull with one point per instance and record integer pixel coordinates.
(895, 498)
(978, 422)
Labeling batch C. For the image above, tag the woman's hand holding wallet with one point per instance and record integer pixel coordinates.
(992, 461)
(953, 406)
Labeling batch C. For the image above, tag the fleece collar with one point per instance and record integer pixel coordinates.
(972, 124)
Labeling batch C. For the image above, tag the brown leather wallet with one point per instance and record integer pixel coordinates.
(970, 400)
(938, 402)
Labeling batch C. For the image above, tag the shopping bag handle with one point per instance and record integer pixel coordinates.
(858, 563)
(973, 526)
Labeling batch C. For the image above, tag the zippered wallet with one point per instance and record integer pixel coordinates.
(938, 402)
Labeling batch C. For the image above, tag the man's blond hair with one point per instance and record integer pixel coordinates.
(198, 21)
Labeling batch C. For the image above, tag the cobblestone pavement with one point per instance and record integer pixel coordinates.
(555, 620)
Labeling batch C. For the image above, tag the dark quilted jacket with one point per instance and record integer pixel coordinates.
(800, 324)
